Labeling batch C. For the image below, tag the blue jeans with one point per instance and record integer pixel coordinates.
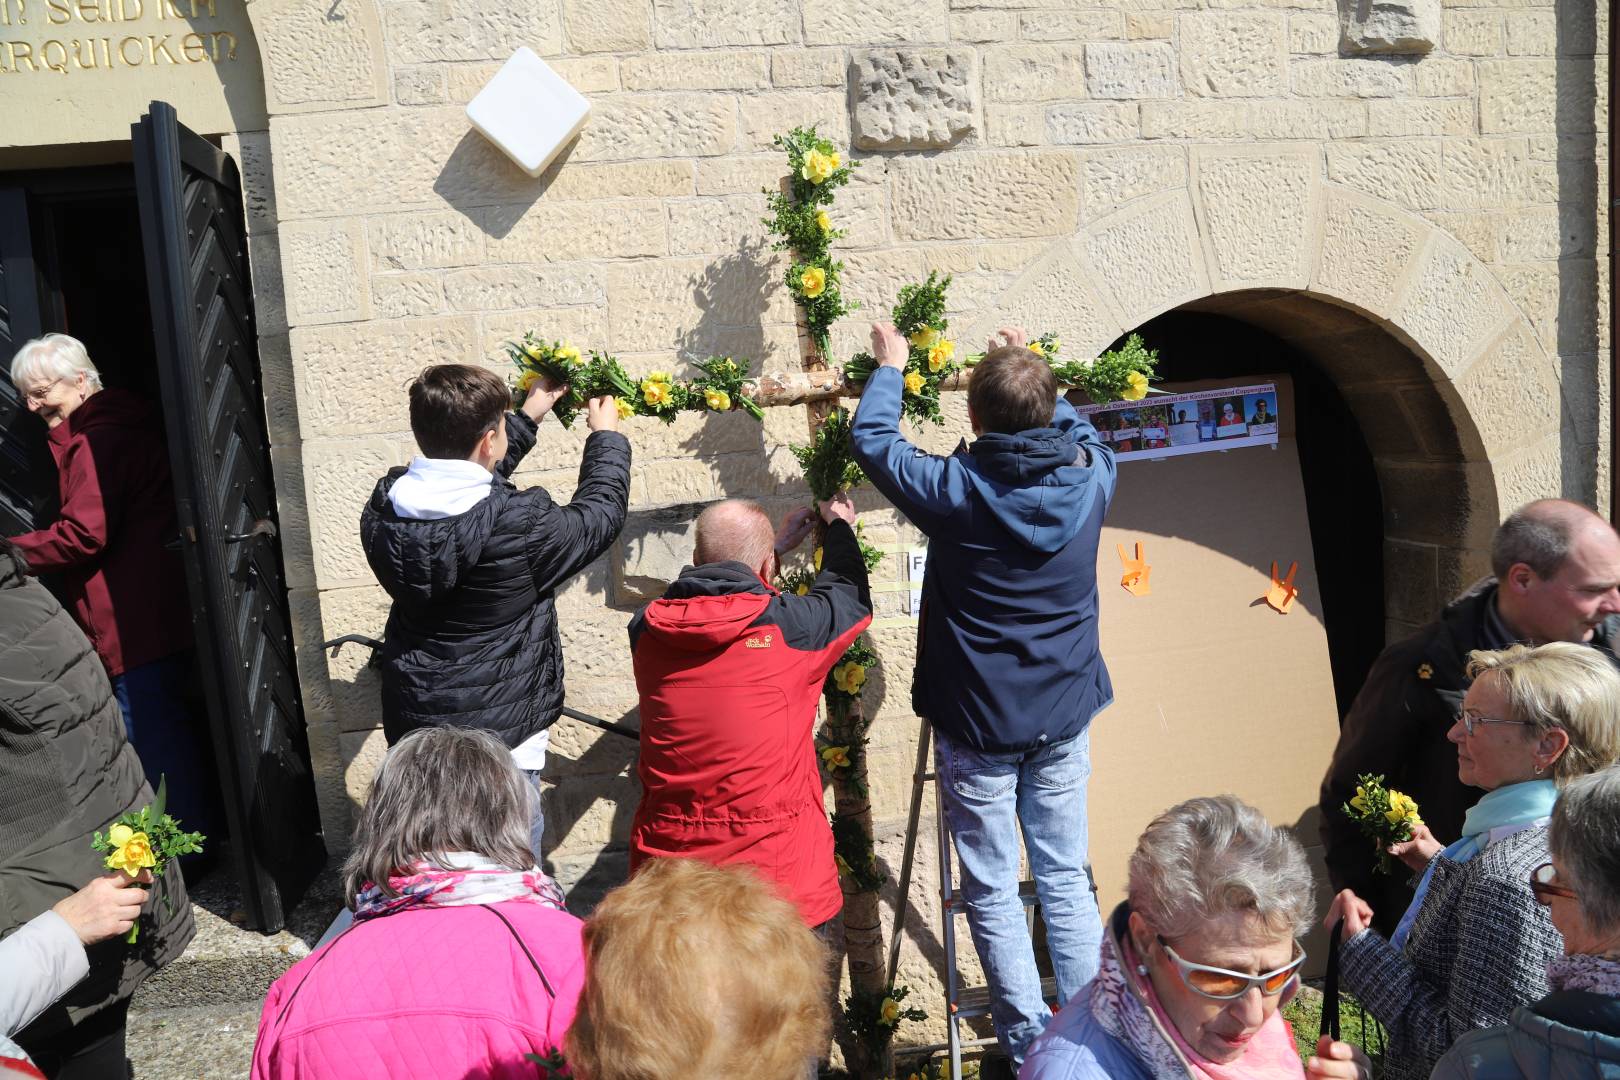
(988, 798)
(537, 815)
(160, 726)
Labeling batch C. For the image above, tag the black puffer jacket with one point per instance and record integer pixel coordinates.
(66, 771)
(472, 636)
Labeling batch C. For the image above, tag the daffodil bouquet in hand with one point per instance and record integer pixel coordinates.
(146, 840)
(1384, 815)
(587, 377)
(919, 315)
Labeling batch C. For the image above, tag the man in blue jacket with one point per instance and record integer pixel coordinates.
(1008, 670)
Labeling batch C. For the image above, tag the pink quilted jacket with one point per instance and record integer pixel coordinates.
(431, 992)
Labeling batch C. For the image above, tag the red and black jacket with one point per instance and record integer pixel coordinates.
(729, 671)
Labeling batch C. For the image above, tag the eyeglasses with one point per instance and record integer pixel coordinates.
(1544, 883)
(1223, 985)
(38, 394)
(1469, 722)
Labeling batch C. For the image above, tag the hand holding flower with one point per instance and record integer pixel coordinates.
(602, 413)
(106, 907)
(1417, 852)
(795, 527)
(888, 346)
(543, 393)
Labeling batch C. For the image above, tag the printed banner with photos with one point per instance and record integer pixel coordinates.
(1169, 425)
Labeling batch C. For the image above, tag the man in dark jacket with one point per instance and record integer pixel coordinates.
(1008, 669)
(66, 771)
(729, 671)
(1556, 577)
(472, 563)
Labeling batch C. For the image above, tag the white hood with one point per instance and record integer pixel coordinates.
(439, 488)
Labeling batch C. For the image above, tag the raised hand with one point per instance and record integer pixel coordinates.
(1357, 914)
(1007, 337)
(795, 527)
(543, 394)
(888, 347)
(838, 508)
(602, 413)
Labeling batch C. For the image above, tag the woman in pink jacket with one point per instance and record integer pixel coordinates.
(461, 959)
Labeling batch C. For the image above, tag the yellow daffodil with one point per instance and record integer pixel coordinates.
(817, 558)
(1037, 348)
(624, 408)
(850, 677)
(569, 355)
(527, 380)
(717, 400)
(132, 851)
(819, 166)
(1402, 808)
(823, 221)
(940, 354)
(655, 391)
(533, 352)
(836, 757)
(1057, 343)
(1359, 801)
(843, 867)
(914, 382)
(1137, 387)
(889, 1012)
(803, 589)
(813, 282)
(924, 337)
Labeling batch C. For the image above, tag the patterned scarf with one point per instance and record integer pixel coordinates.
(457, 878)
(1128, 1009)
(1594, 974)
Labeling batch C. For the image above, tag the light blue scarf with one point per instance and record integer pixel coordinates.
(1521, 804)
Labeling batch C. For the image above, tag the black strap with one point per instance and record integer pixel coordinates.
(524, 946)
(1330, 984)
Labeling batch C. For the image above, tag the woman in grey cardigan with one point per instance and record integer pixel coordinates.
(1573, 1032)
(1475, 943)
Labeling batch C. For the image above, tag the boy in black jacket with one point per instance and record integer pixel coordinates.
(472, 563)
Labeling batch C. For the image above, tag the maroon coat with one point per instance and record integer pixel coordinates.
(730, 671)
(124, 587)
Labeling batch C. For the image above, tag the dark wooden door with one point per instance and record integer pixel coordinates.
(195, 242)
(25, 465)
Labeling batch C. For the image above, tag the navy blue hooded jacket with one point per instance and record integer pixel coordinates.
(1007, 656)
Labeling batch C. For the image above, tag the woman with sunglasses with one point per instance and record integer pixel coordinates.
(1575, 1030)
(1475, 942)
(1196, 963)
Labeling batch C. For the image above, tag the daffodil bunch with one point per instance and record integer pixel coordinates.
(802, 221)
(145, 840)
(919, 315)
(721, 387)
(853, 855)
(874, 1017)
(1384, 815)
(848, 676)
(829, 461)
(1121, 374)
(562, 363)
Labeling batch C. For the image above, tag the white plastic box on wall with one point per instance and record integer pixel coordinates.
(529, 111)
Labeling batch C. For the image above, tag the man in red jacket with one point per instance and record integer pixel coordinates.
(729, 671)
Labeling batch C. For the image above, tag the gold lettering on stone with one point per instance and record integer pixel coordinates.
(57, 12)
(13, 13)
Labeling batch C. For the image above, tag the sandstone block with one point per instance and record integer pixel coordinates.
(695, 71)
(1468, 32)
(1034, 72)
(1532, 33)
(383, 159)
(1453, 307)
(1366, 251)
(623, 180)
(1288, 119)
(651, 551)
(1406, 172)
(1015, 125)
(339, 476)
(748, 175)
(1146, 257)
(1312, 33)
(808, 67)
(521, 286)
(423, 241)
(1403, 27)
(322, 262)
(269, 284)
(1350, 78)
(292, 511)
(420, 86)
(351, 379)
(1486, 173)
(1132, 70)
(402, 296)
(1259, 212)
(428, 31)
(1055, 294)
(587, 74)
(1543, 232)
(765, 116)
(709, 226)
(911, 99)
(1091, 123)
(1420, 116)
(607, 25)
(312, 61)
(633, 126)
(1194, 120)
(659, 306)
(1074, 26)
(1535, 472)
(362, 753)
(707, 24)
(1149, 25)
(568, 232)
(876, 22)
(985, 196)
(1528, 96)
(1475, 230)
(1512, 393)
(280, 399)
(983, 27)
(1445, 77)
(1226, 54)
(1113, 177)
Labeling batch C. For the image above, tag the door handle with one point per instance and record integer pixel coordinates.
(262, 527)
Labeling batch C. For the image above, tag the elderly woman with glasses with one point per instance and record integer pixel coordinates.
(1575, 1030)
(1475, 942)
(1197, 962)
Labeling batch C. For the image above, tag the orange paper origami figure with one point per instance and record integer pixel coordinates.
(1137, 572)
(1282, 592)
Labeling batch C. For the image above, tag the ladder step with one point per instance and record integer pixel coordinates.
(1026, 894)
(975, 1000)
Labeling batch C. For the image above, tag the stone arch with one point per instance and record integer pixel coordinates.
(1460, 404)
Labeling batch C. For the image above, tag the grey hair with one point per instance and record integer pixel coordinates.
(735, 530)
(440, 790)
(55, 356)
(1585, 836)
(1560, 685)
(1209, 857)
(1539, 535)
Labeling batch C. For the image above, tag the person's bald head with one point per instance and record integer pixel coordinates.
(1557, 566)
(736, 530)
